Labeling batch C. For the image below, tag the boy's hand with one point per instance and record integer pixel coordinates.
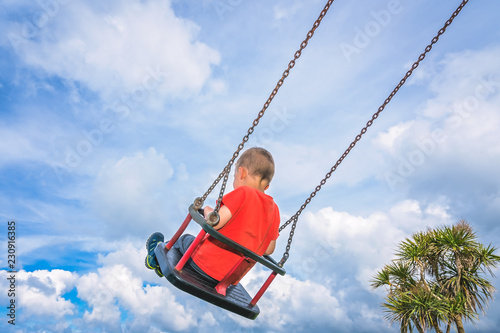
(207, 210)
(224, 215)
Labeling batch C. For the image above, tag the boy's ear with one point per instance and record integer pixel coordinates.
(243, 172)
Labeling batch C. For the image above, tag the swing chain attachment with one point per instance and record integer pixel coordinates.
(213, 218)
(295, 217)
(225, 172)
(198, 203)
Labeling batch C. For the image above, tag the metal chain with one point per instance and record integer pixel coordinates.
(225, 172)
(295, 217)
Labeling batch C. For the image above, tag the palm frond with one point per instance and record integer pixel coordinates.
(438, 276)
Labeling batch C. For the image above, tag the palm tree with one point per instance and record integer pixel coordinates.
(438, 278)
(410, 302)
(464, 263)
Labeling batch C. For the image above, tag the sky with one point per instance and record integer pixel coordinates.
(115, 115)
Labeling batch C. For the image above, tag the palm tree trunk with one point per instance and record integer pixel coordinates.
(435, 324)
(448, 327)
(417, 325)
(460, 325)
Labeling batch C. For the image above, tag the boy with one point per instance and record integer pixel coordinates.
(248, 216)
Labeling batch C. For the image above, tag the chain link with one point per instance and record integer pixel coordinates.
(225, 172)
(295, 217)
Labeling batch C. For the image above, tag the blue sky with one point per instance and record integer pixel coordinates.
(115, 115)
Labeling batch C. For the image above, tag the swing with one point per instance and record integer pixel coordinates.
(225, 294)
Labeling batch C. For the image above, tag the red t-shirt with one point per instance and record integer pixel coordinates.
(254, 224)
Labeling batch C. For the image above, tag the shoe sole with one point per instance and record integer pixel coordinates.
(158, 272)
(155, 238)
(147, 263)
(151, 239)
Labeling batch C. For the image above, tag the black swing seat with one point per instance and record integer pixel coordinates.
(237, 299)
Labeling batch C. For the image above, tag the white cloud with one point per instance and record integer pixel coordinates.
(27, 139)
(131, 256)
(292, 303)
(118, 48)
(122, 284)
(388, 140)
(454, 130)
(299, 167)
(286, 11)
(108, 292)
(328, 240)
(131, 193)
(467, 91)
(41, 293)
(462, 72)
(304, 302)
(114, 289)
(16, 146)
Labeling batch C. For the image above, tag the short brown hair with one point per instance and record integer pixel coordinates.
(259, 162)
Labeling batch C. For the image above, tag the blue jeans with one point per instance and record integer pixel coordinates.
(182, 245)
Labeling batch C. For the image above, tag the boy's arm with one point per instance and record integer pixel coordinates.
(224, 215)
(270, 248)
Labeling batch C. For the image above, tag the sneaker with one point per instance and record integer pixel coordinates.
(150, 260)
(158, 271)
(153, 265)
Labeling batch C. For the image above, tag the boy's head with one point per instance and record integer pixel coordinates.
(259, 164)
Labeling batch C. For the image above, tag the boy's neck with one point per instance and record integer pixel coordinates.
(244, 178)
(257, 184)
